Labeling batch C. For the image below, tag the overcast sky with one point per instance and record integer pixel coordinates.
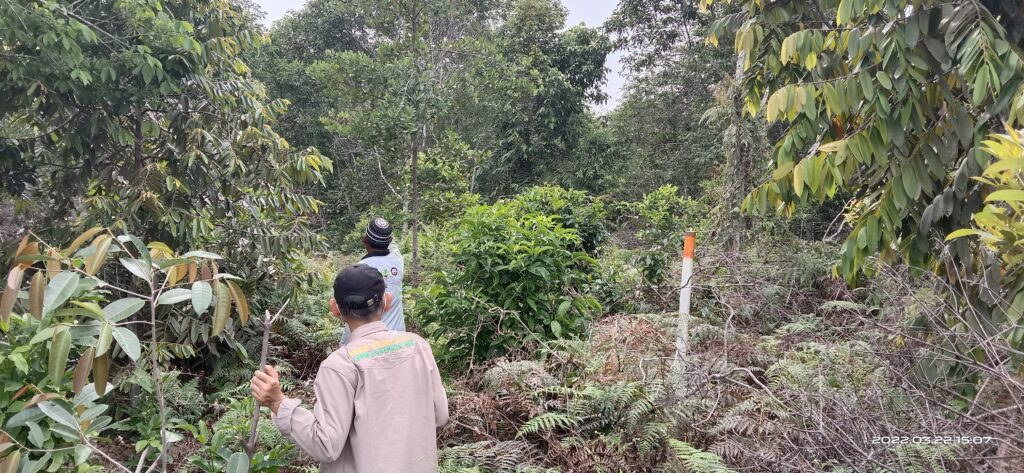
(590, 12)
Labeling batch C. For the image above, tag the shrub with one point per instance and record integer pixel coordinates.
(664, 216)
(572, 209)
(518, 278)
(79, 311)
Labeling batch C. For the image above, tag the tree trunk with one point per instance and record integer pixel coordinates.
(414, 278)
(742, 141)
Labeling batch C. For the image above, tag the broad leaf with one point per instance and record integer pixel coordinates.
(123, 308)
(1006, 195)
(11, 462)
(556, 328)
(237, 463)
(59, 290)
(175, 273)
(128, 342)
(201, 254)
(91, 309)
(174, 296)
(106, 336)
(139, 268)
(10, 294)
(202, 295)
(100, 373)
(58, 360)
(36, 291)
(82, 453)
(41, 397)
(84, 237)
(35, 434)
(222, 309)
(81, 375)
(27, 414)
(96, 260)
(58, 413)
(53, 264)
(241, 304)
(563, 308)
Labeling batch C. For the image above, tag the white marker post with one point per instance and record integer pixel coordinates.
(683, 328)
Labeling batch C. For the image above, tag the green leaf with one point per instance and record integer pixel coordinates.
(237, 463)
(563, 308)
(1006, 195)
(59, 290)
(19, 362)
(174, 296)
(910, 183)
(137, 267)
(82, 453)
(128, 342)
(31, 414)
(123, 308)
(980, 86)
(58, 360)
(35, 434)
(884, 80)
(782, 171)
(844, 12)
(556, 328)
(59, 414)
(44, 334)
(962, 233)
(91, 308)
(202, 296)
(103, 341)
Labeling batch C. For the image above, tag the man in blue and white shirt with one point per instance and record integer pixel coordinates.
(382, 254)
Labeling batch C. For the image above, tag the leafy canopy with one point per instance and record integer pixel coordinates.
(888, 99)
(145, 117)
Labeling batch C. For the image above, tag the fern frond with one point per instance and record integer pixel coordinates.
(698, 461)
(549, 421)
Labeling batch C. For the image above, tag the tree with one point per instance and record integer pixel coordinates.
(62, 321)
(889, 100)
(660, 122)
(303, 36)
(386, 102)
(146, 118)
(542, 79)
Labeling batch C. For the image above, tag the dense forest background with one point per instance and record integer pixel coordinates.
(174, 173)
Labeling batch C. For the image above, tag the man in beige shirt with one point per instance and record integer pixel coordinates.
(379, 398)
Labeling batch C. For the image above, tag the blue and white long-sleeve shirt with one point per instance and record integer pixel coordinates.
(391, 265)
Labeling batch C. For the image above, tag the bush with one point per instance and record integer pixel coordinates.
(518, 278)
(664, 215)
(572, 209)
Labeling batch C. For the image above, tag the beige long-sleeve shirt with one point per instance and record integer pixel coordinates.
(379, 403)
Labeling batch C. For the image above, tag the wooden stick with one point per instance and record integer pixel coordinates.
(268, 321)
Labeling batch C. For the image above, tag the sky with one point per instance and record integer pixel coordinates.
(589, 12)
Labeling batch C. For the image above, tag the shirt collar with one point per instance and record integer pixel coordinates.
(384, 252)
(366, 329)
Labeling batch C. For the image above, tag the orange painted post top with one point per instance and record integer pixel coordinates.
(689, 243)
